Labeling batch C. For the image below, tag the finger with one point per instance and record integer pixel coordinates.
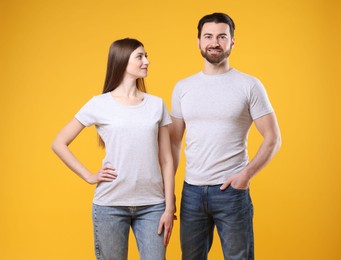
(165, 239)
(225, 185)
(103, 176)
(105, 179)
(159, 230)
(109, 170)
(110, 173)
(109, 176)
(167, 235)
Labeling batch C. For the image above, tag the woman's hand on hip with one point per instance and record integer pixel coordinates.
(105, 174)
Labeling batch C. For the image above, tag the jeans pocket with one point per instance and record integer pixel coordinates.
(238, 190)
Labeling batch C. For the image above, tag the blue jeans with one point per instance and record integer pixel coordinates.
(112, 226)
(231, 211)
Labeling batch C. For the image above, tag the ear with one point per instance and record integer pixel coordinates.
(232, 42)
(199, 43)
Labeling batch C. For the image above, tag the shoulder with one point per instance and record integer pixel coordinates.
(101, 97)
(245, 78)
(190, 79)
(98, 98)
(248, 83)
(187, 83)
(96, 101)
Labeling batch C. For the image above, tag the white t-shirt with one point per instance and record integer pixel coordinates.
(218, 111)
(130, 134)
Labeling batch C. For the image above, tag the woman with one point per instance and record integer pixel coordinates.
(135, 186)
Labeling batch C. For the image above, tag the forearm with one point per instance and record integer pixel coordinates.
(167, 167)
(65, 154)
(177, 129)
(265, 153)
(168, 179)
(176, 150)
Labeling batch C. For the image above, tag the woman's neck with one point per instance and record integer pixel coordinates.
(127, 89)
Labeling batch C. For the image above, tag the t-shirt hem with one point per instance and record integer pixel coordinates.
(128, 204)
(166, 123)
(262, 114)
(203, 184)
(176, 116)
(81, 121)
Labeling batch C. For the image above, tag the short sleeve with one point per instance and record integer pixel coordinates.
(86, 115)
(259, 102)
(165, 120)
(176, 104)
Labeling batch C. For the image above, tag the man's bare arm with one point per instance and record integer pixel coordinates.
(268, 128)
(176, 131)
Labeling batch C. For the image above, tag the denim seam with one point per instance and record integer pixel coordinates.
(98, 255)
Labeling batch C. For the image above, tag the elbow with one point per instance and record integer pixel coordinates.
(57, 146)
(54, 146)
(176, 147)
(274, 142)
(277, 142)
(166, 163)
(175, 141)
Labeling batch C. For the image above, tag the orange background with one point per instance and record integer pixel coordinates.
(53, 59)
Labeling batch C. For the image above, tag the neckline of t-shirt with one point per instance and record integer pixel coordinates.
(217, 75)
(145, 96)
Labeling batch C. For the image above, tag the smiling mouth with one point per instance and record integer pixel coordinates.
(214, 50)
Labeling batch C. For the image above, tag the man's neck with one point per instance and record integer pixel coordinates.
(214, 69)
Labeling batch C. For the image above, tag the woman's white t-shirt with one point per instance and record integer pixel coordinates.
(130, 134)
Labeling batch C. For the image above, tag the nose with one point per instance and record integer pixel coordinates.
(145, 61)
(215, 42)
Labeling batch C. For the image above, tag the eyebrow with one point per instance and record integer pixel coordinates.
(212, 34)
(141, 53)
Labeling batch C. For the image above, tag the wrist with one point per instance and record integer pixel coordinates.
(247, 173)
(170, 209)
(88, 178)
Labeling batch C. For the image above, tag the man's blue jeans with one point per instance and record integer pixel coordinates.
(231, 211)
(112, 225)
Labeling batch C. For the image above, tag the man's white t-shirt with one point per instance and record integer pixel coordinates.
(218, 111)
(130, 134)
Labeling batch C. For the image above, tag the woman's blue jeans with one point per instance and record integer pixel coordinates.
(112, 226)
(206, 207)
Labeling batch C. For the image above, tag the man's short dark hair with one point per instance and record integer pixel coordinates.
(216, 18)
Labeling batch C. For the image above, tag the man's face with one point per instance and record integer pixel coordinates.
(215, 42)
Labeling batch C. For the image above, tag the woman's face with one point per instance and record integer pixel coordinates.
(138, 64)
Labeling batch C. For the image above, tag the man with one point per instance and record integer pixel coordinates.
(217, 107)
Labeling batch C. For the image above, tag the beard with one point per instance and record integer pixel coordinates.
(215, 58)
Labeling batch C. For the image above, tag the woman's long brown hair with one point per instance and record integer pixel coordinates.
(118, 58)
